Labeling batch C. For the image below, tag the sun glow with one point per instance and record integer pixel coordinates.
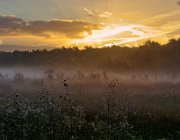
(107, 33)
(99, 35)
(114, 35)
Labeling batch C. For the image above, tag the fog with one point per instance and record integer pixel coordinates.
(134, 95)
(140, 77)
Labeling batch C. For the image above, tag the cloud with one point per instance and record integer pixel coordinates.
(115, 34)
(125, 34)
(105, 14)
(176, 32)
(11, 25)
(89, 13)
(161, 19)
(178, 2)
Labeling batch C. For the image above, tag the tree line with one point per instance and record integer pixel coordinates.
(150, 55)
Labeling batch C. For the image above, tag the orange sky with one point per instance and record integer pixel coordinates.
(99, 23)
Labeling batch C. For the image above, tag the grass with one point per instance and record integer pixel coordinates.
(88, 106)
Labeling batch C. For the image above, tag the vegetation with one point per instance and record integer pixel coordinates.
(92, 107)
(150, 56)
(116, 93)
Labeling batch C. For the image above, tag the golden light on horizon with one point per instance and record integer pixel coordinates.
(90, 23)
(117, 35)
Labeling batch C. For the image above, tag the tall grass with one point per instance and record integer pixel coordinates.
(51, 115)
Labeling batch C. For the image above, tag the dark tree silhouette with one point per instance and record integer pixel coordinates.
(150, 55)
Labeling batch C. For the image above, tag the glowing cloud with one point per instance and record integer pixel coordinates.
(118, 34)
(106, 14)
(14, 26)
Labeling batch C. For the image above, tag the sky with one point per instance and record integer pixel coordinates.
(97, 23)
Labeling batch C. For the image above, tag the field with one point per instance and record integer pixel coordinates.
(89, 70)
(77, 104)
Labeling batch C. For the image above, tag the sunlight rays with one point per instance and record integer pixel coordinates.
(117, 34)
